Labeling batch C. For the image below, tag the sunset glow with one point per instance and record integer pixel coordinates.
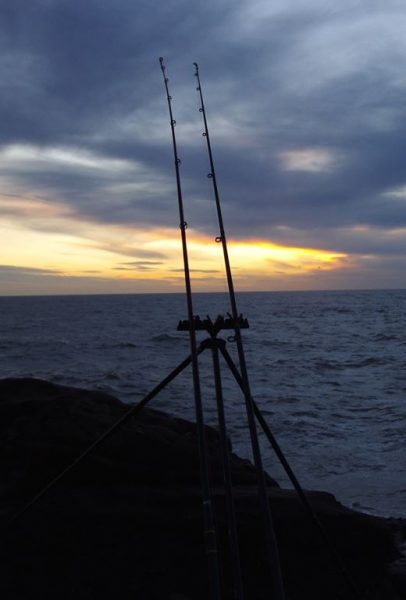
(57, 247)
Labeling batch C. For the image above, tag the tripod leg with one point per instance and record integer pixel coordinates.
(225, 453)
(299, 490)
(132, 412)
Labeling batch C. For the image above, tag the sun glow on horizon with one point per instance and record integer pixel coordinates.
(55, 247)
(258, 253)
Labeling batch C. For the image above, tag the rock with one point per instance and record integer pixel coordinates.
(127, 521)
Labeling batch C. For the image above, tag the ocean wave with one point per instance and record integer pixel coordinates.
(337, 310)
(112, 376)
(125, 345)
(366, 362)
(382, 337)
(274, 343)
(165, 337)
(327, 365)
(289, 399)
(305, 413)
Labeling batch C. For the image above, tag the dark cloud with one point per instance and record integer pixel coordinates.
(31, 281)
(138, 265)
(11, 271)
(305, 105)
(196, 270)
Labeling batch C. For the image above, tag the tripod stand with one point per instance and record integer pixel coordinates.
(217, 347)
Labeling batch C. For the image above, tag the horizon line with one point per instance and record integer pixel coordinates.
(218, 292)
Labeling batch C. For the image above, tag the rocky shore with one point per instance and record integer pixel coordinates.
(127, 521)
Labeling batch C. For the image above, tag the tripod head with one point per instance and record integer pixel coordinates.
(213, 328)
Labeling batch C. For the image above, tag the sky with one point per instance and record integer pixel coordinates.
(306, 107)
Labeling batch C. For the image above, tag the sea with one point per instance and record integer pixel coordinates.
(327, 370)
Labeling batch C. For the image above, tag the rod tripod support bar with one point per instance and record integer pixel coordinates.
(277, 581)
(209, 526)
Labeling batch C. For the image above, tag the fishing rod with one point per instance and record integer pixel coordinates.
(268, 521)
(210, 534)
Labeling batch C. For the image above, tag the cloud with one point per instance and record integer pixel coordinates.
(139, 265)
(314, 160)
(11, 271)
(31, 281)
(196, 270)
(305, 104)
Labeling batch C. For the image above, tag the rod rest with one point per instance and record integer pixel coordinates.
(213, 328)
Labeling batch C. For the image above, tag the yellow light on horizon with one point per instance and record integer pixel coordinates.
(54, 240)
(261, 255)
